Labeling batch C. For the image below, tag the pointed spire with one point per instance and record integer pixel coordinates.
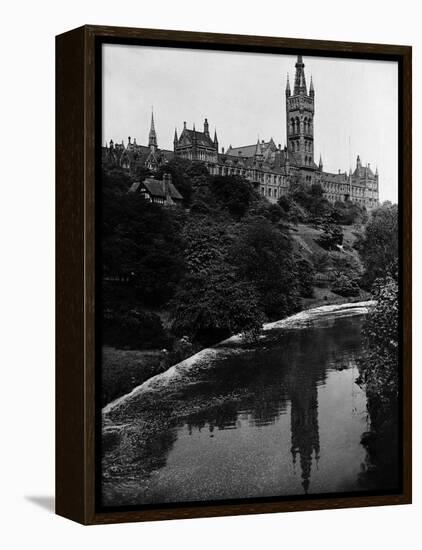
(320, 162)
(300, 81)
(152, 141)
(288, 91)
(175, 139)
(215, 140)
(311, 88)
(376, 171)
(258, 150)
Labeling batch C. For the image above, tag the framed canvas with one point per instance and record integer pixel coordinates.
(233, 274)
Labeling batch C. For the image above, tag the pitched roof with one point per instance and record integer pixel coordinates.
(200, 137)
(156, 188)
(250, 150)
(360, 171)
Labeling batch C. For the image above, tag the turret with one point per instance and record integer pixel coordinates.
(206, 128)
(175, 140)
(288, 91)
(300, 81)
(320, 166)
(258, 151)
(311, 89)
(215, 141)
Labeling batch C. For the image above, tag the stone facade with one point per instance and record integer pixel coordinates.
(272, 168)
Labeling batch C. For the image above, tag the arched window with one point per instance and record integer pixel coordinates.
(297, 125)
(292, 126)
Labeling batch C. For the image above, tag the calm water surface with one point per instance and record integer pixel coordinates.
(286, 418)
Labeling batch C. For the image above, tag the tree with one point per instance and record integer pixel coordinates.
(379, 373)
(349, 213)
(140, 241)
(304, 272)
(331, 238)
(263, 255)
(214, 304)
(183, 171)
(233, 193)
(344, 263)
(378, 245)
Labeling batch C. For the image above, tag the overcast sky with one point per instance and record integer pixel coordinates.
(242, 95)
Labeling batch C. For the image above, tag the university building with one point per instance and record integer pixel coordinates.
(272, 168)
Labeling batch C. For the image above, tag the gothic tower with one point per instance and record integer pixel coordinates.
(152, 140)
(300, 117)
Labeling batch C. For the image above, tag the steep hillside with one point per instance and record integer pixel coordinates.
(305, 239)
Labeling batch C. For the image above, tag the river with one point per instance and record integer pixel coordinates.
(281, 417)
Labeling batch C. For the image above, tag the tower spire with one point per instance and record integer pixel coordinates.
(152, 140)
(311, 88)
(258, 150)
(215, 140)
(175, 139)
(300, 81)
(288, 91)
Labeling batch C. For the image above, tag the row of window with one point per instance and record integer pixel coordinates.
(272, 192)
(294, 126)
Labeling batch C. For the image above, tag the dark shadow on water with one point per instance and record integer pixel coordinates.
(46, 502)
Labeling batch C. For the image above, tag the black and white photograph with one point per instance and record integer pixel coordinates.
(249, 276)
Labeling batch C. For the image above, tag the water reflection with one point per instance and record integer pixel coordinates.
(284, 418)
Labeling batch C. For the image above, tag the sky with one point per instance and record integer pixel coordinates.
(243, 96)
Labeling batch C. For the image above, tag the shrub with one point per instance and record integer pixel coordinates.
(345, 286)
(133, 329)
(331, 237)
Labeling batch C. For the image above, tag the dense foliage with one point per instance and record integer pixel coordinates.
(378, 245)
(306, 203)
(224, 266)
(379, 366)
(379, 370)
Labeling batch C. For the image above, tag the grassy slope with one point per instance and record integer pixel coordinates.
(304, 237)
